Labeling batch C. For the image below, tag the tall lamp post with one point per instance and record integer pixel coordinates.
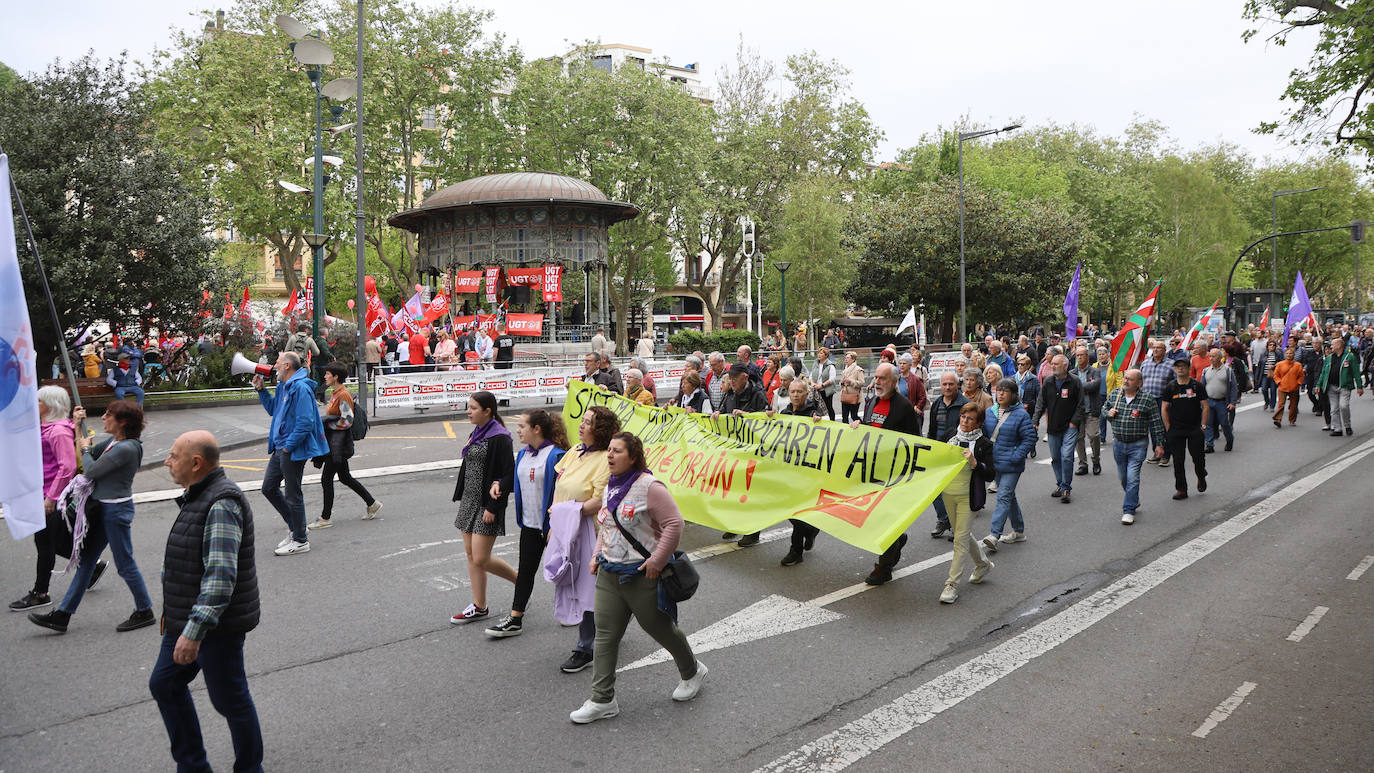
(963, 301)
(1274, 202)
(782, 267)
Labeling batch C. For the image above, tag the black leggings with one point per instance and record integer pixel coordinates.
(47, 559)
(531, 551)
(801, 533)
(849, 412)
(345, 477)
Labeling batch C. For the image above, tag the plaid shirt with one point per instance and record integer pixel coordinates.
(1137, 420)
(1156, 375)
(223, 532)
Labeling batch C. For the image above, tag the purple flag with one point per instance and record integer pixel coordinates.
(1299, 308)
(1071, 306)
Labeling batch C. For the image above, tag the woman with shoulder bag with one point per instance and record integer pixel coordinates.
(851, 385)
(544, 441)
(966, 494)
(338, 430)
(111, 466)
(639, 517)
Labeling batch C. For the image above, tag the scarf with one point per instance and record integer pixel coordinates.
(491, 429)
(583, 449)
(961, 437)
(533, 450)
(618, 486)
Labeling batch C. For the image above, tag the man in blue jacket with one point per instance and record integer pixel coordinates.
(296, 436)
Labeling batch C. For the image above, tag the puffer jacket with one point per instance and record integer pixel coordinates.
(1014, 441)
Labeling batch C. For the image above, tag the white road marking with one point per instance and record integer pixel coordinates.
(856, 740)
(777, 615)
(422, 546)
(720, 549)
(1361, 568)
(165, 495)
(1306, 626)
(1225, 709)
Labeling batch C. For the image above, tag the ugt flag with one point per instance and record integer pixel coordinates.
(1071, 305)
(1299, 308)
(21, 473)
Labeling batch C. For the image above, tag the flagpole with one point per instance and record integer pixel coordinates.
(58, 330)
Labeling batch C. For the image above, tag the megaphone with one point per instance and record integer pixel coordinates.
(242, 366)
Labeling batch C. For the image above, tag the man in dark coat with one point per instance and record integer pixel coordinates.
(209, 604)
(744, 397)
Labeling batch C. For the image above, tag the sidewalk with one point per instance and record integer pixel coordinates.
(236, 426)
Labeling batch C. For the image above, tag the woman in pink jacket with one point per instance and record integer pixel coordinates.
(59, 467)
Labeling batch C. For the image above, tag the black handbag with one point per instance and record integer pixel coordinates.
(679, 578)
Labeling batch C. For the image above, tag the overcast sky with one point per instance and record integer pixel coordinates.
(915, 65)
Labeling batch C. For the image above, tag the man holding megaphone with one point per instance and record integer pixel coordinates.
(296, 436)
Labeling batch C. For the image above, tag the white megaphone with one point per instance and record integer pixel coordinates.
(242, 366)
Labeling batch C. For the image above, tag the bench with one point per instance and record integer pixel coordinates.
(95, 393)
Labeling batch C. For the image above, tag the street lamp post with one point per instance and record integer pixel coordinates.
(782, 267)
(963, 301)
(1274, 202)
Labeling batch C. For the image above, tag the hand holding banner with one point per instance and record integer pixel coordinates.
(864, 486)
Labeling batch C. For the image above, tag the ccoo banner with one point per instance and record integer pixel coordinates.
(451, 387)
(862, 485)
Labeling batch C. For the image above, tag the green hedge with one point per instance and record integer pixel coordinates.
(725, 341)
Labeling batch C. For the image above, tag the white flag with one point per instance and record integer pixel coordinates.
(21, 461)
(908, 321)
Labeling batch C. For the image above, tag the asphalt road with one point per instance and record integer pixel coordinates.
(1092, 646)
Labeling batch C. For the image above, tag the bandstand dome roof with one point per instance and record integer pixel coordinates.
(515, 188)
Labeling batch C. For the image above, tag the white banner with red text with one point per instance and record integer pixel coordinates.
(451, 387)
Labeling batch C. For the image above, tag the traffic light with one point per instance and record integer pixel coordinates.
(1357, 231)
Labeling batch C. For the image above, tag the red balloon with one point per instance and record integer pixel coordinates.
(351, 303)
(370, 285)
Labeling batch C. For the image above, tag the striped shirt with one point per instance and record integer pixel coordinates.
(220, 547)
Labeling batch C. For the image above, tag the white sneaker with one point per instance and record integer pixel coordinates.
(992, 488)
(320, 523)
(687, 689)
(285, 541)
(591, 711)
(990, 543)
(292, 547)
(949, 595)
(372, 511)
(1128, 518)
(1014, 536)
(979, 572)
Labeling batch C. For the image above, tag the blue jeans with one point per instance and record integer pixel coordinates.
(940, 513)
(114, 528)
(1217, 415)
(1129, 458)
(292, 506)
(137, 392)
(1061, 456)
(221, 660)
(1269, 388)
(1007, 506)
(586, 633)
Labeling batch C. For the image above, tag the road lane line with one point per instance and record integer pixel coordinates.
(856, 740)
(1306, 626)
(897, 574)
(1361, 568)
(1225, 709)
(448, 430)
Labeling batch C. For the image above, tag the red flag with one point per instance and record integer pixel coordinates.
(291, 304)
(228, 308)
(553, 291)
(377, 315)
(437, 308)
(1198, 328)
(1264, 323)
(243, 307)
(1128, 348)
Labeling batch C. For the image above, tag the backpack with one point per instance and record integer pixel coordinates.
(358, 430)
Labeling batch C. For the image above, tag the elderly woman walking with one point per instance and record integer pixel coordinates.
(110, 465)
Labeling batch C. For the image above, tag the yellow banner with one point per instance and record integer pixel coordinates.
(745, 473)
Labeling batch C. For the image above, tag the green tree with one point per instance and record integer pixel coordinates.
(1330, 99)
(121, 234)
(908, 247)
(812, 240)
(633, 134)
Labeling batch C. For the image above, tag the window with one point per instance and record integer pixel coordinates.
(602, 62)
(638, 62)
(429, 118)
